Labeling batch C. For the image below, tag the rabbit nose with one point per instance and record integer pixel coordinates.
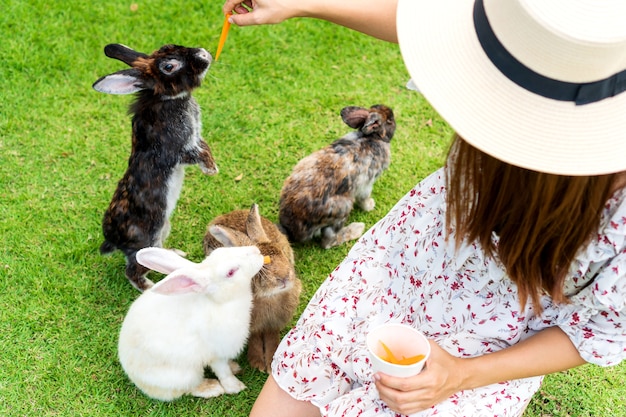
(203, 54)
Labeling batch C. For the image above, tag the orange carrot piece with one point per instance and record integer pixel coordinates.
(410, 360)
(391, 358)
(223, 36)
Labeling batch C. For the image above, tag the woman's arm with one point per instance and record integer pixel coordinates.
(376, 18)
(546, 352)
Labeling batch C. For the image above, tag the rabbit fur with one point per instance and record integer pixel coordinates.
(318, 196)
(276, 288)
(197, 316)
(166, 136)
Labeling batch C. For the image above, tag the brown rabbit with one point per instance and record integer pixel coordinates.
(276, 288)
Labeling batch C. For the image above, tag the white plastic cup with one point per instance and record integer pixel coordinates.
(403, 341)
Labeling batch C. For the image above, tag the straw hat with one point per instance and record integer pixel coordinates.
(545, 86)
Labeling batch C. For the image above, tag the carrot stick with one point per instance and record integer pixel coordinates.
(223, 36)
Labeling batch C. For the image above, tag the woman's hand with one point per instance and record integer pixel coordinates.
(372, 17)
(441, 377)
(546, 352)
(260, 12)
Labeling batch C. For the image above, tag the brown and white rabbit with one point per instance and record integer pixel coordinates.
(318, 196)
(197, 316)
(166, 136)
(276, 288)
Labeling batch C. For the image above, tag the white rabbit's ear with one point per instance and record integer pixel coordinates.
(121, 82)
(229, 237)
(177, 284)
(162, 260)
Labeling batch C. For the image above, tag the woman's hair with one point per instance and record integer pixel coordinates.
(542, 220)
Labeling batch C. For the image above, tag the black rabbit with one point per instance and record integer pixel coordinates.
(166, 136)
(318, 196)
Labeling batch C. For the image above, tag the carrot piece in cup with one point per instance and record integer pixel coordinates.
(391, 358)
(406, 345)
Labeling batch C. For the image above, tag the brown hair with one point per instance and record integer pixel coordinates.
(542, 220)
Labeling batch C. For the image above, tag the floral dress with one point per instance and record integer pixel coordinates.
(403, 270)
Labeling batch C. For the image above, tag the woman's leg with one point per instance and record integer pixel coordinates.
(274, 402)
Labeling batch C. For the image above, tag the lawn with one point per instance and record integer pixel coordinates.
(273, 97)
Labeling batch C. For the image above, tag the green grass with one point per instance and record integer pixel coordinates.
(273, 97)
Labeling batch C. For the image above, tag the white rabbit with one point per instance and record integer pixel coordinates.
(197, 316)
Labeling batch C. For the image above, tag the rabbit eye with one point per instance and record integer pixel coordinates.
(169, 67)
(231, 273)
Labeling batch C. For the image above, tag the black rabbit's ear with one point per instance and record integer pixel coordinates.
(121, 82)
(354, 117)
(123, 53)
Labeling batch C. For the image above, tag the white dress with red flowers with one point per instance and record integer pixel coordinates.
(403, 270)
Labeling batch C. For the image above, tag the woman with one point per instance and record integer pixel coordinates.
(512, 258)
